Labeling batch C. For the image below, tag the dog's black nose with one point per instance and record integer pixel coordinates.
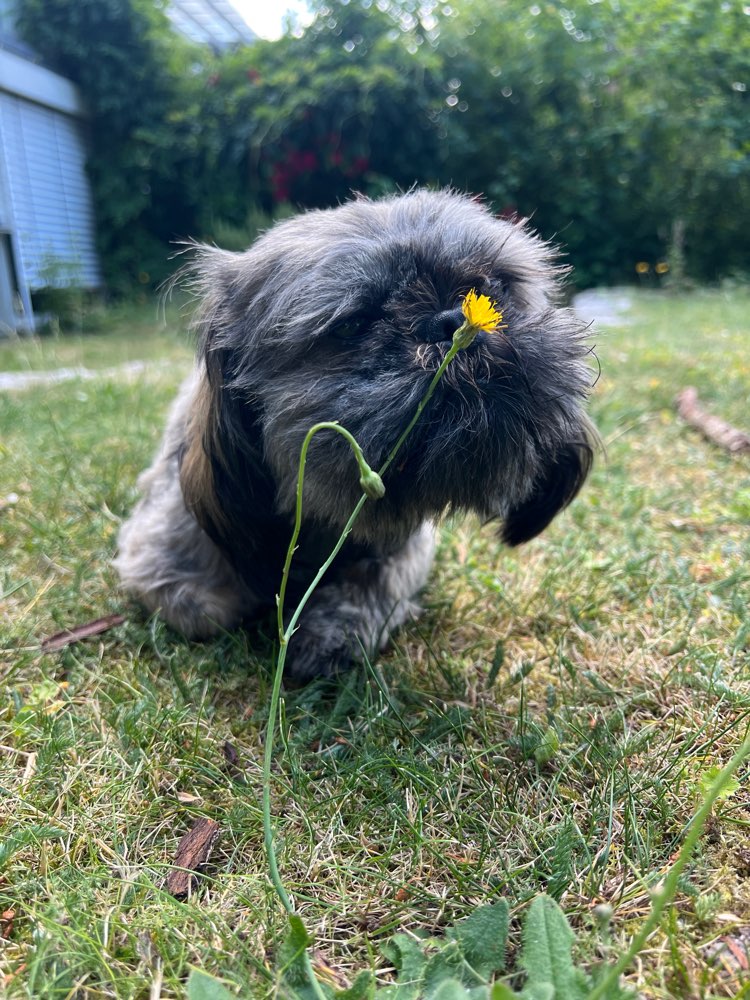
(442, 326)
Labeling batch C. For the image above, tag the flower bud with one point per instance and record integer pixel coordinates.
(372, 484)
(602, 914)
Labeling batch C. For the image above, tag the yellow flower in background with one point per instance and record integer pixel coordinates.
(481, 312)
(662, 267)
(642, 267)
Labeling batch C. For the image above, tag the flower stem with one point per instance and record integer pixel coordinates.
(452, 352)
(285, 633)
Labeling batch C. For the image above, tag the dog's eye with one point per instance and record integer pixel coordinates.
(481, 284)
(349, 329)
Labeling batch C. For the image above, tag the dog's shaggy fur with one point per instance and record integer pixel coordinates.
(345, 315)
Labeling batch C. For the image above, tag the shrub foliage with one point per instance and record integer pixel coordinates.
(621, 129)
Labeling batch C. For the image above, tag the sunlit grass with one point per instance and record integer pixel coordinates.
(153, 331)
(407, 794)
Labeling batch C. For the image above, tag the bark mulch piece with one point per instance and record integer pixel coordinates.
(193, 852)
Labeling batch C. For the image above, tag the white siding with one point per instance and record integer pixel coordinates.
(53, 215)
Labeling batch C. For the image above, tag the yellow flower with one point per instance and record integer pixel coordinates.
(662, 267)
(481, 312)
(642, 267)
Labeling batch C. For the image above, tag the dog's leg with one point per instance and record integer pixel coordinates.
(353, 617)
(166, 560)
(170, 564)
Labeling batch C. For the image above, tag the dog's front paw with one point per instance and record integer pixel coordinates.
(315, 652)
(332, 637)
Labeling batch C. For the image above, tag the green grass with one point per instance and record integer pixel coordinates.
(146, 332)
(405, 795)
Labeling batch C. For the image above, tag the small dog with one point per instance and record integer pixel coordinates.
(345, 314)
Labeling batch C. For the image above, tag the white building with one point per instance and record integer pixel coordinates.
(47, 233)
(46, 213)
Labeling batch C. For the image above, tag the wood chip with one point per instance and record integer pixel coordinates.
(6, 923)
(714, 428)
(70, 635)
(193, 852)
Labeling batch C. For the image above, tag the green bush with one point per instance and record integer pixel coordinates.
(621, 130)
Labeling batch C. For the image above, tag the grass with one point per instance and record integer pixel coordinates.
(111, 337)
(407, 794)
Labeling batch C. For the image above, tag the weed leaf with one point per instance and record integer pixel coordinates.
(548, 747)
(502, 992)
(409, 961)
(201, 986)
(482, 937)
(710, 775)
(542, 991)
(546, 956)
(447, 964)
(290, 954)
(450, 989)
(363, 988)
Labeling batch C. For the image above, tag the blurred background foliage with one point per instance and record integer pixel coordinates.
(621, 127)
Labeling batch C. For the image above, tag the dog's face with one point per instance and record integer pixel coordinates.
(345, 315)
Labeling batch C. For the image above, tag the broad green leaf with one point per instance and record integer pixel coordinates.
(710, 775)
(482, 938)
(502, 992)
(201, 986)
(450, 989)
(363, 988)
(546, 955)
(409, 961)
(541, 991)
(447, 964)
(291, 951)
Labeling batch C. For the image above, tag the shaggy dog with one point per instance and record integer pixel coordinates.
(345, 314)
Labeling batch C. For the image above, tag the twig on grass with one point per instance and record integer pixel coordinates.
(70, 635)
(718, 431)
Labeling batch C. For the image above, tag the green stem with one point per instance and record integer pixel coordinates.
(452, 352)
(285, 634)
(664, 896)
(284, 637)
(325, 425)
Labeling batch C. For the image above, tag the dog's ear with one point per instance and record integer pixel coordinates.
(222, 468)
(200, 456)
(223, 474)
(555, 488)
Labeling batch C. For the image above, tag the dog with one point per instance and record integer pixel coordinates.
(344, 315)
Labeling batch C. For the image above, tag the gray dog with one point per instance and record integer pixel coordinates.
(345, 315)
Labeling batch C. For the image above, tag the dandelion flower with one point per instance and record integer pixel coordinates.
(481, 312)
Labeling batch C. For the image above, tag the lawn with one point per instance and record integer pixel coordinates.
(407, 794)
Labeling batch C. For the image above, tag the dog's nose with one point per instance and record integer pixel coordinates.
(442, 326)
